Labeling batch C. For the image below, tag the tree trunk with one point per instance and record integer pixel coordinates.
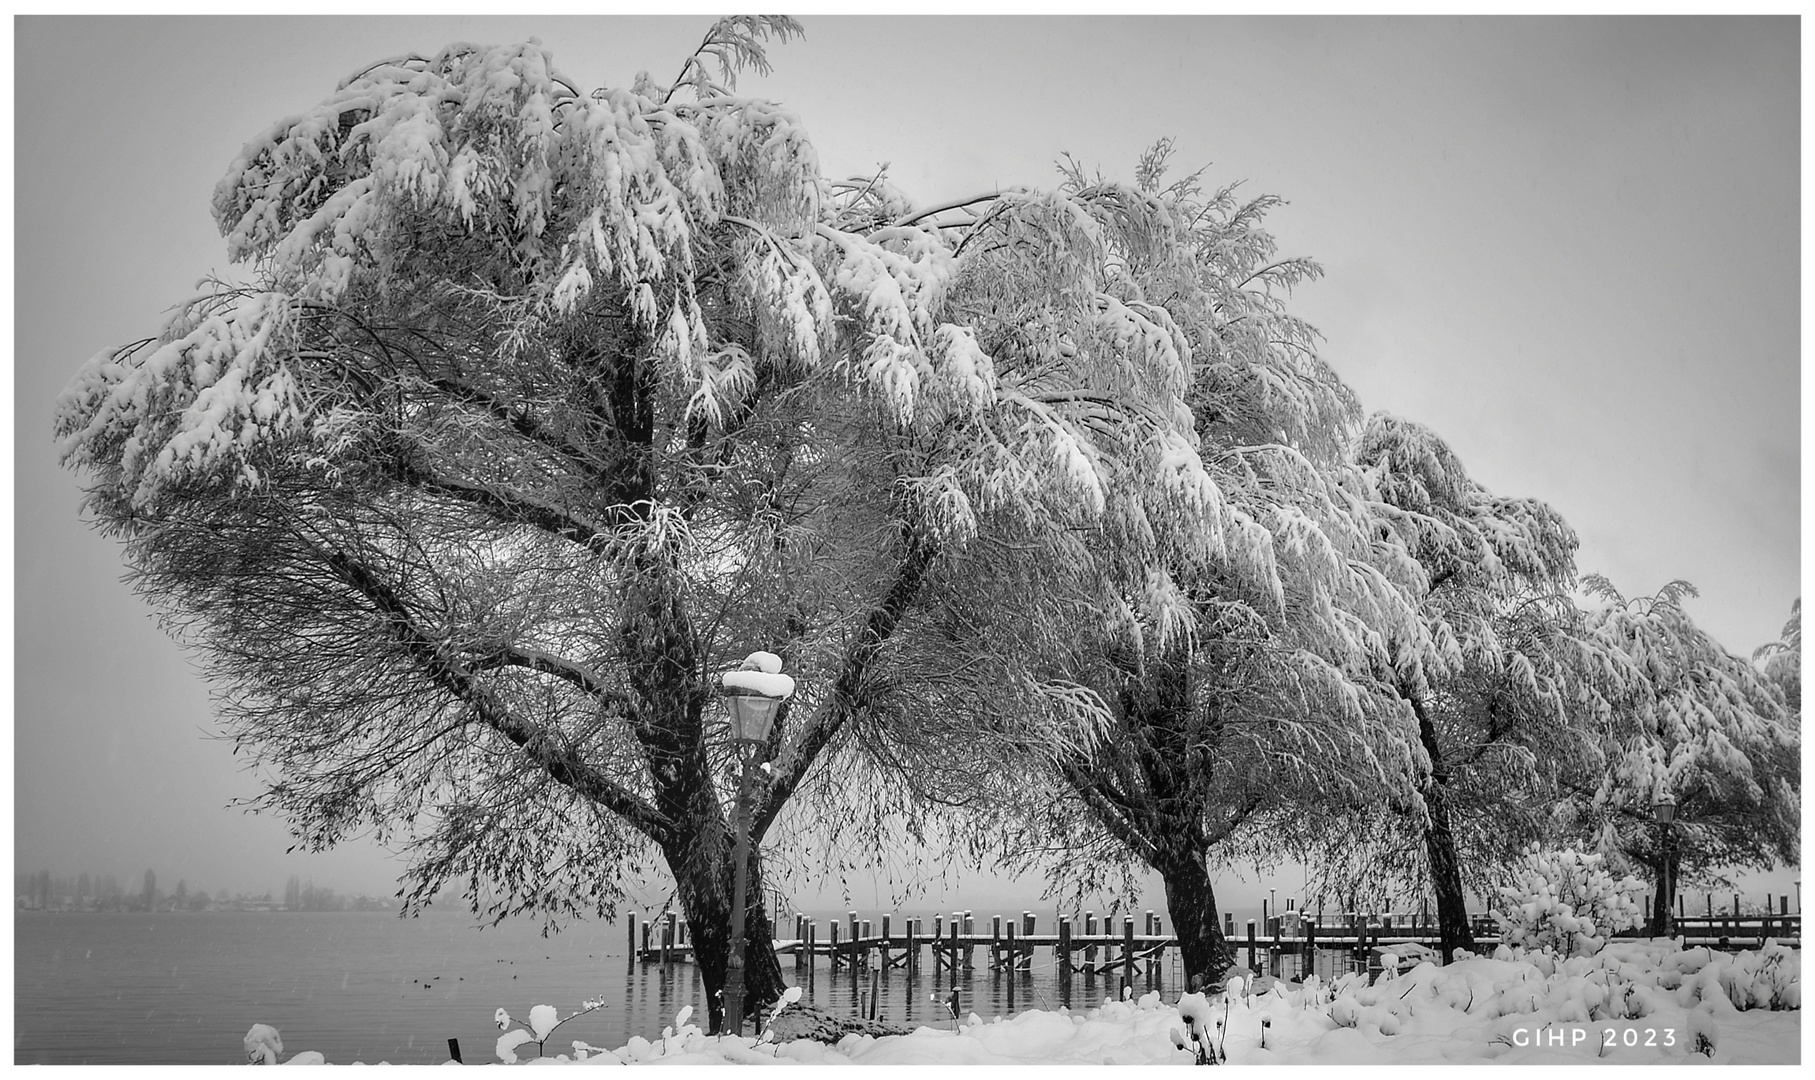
(1191, 904)
(704, 887)
(1446, 876)
(1440, 843)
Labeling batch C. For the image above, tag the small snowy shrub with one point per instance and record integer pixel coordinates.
(788, 997)
(1565, 903)
(543, 1020)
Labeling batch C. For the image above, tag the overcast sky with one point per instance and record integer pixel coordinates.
(1570, 246)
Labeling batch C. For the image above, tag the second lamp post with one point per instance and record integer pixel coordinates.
(1665, 809)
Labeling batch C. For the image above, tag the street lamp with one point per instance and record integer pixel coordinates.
(752, 695)
(1665, 811)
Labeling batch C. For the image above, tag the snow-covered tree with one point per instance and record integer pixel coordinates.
(1701, 725)
(1504, 693)
(542, 407)
(1243, 681)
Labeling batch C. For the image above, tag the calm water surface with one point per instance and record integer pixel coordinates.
(182, 988)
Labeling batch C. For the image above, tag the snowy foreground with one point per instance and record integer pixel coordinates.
(1644, 1002)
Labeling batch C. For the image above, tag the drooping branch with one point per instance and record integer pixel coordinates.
(560, 763)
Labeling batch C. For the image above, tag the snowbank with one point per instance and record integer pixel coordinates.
(1634, 1003)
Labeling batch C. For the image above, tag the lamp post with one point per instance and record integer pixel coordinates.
(752, 695)
(1665, 811)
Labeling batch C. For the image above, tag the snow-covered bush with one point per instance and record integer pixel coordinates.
(1565, 903)
(543, 1020)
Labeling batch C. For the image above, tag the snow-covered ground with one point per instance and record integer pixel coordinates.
(1633, 1003)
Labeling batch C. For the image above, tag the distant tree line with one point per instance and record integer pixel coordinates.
(42, 891)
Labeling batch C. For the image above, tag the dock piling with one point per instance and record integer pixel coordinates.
(1011, 967)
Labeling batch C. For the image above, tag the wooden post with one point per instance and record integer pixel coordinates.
(1090, 948)
(1011, 967)
(668, 931)
(648, 941)
(995, 942)
(1026, 962)
(953, 933)
(1310, 954)
(453, 1051)
(875, 990)
(1253, 957)
(812, 946)
(1064, 951)
(970, 938)
(1128, 949)
(631, 920)
(836, 959)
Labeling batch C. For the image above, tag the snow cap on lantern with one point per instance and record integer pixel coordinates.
(762, 661)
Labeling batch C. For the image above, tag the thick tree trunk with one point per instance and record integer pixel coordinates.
(1440, 843)
(704, 887)
(1191, 904)
(1446, 876)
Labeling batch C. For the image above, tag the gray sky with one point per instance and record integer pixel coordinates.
(1570, 246)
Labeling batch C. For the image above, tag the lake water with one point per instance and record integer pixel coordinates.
(182, 988)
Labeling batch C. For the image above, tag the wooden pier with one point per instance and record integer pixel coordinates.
(949, 947)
